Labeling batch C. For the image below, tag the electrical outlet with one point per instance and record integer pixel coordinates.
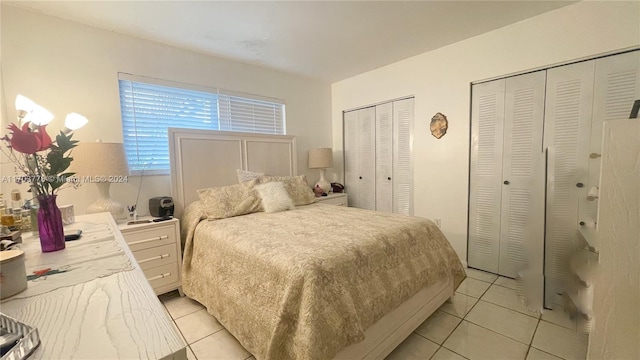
(438, 222)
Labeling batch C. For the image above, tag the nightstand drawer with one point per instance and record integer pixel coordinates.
(156, 256)
(139, 240)
(163, 275)
(340, 201)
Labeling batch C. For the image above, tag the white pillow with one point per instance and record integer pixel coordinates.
(244, 175)
(275, 197)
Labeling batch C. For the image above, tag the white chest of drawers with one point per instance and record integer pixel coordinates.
(156, 247)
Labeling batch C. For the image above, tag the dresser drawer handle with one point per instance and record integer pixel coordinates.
(154, 258)
(161, 276)
(162, 237)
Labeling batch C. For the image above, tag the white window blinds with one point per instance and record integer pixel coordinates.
(148, 109)
(250, 115)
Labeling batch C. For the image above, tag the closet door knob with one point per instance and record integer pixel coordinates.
(360, 177)
(389, 178)
(506, 182)
(581, 223)
(579, 185)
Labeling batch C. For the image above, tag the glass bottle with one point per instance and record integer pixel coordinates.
(2, 205)
(26, 220)
(17, 218)
(33, 215)
(8, 219)
(16, 199)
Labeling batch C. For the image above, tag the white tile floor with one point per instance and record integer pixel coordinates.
(485, 320)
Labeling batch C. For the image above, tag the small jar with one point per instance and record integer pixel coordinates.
(13, 272)
(8, 220)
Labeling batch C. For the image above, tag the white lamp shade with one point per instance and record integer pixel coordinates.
(23, 103)
(39, 116)
(100, 160)
(75, 121)
(320, 158)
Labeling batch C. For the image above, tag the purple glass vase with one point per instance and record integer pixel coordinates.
(50, 224)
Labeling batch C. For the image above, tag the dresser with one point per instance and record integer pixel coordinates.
(95, 302)
(156, 247)
(616, 297)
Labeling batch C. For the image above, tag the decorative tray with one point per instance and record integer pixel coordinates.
(18, 340)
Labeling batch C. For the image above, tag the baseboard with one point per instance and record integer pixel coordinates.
(464, 263)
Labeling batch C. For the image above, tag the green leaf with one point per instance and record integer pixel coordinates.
(64, 142)
(54, 158)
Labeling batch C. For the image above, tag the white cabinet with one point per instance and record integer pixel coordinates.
(378, 159)
(506, 148)
(111, 312)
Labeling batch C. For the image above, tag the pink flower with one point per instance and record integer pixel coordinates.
(23, 140)
(27, 141)
(45, 139)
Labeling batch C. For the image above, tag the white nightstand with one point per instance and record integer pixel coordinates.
(339, 199)
(156, 246)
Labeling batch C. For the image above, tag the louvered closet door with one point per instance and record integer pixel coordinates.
(367, 158)
(402, 157)
(351, 158)
(567, 132)
(617, 85)
(384, 157)
(485, 188)
(522, 151)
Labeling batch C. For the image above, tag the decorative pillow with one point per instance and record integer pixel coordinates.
(244, 175)
(227, 201)
(274, 197)
(297, 187)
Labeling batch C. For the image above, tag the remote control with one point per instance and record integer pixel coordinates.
(72, 237)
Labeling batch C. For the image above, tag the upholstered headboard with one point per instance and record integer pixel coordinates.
(207, 158)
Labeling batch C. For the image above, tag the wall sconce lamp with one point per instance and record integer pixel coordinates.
(28, 110)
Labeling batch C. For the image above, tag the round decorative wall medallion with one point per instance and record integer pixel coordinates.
(439, 125)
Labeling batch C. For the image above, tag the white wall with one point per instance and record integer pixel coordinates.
(440, 81)
(68, 67)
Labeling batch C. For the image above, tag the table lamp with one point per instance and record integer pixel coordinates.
(102, 163)
(321, 158)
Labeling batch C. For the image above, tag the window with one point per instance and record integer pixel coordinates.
(150, 106)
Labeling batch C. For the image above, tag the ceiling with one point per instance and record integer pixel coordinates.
(328, 40)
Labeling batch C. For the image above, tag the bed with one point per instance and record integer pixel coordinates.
(316, 282)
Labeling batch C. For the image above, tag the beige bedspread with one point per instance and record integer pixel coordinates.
(303, 284)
